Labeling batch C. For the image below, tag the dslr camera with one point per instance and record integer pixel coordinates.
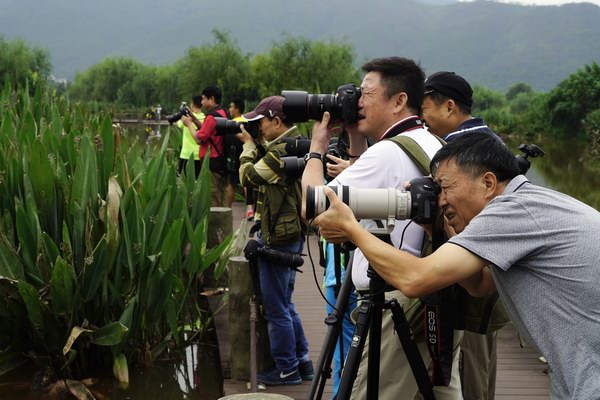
(183, 110)
(418, 203)
(253, 250)
(229, 127)
(300, 106)
(294, 164)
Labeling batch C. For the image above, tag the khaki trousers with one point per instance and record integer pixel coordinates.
(218, 188)
(479, 365)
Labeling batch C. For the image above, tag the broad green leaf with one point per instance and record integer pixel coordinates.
(159, 224)
(31, 298)
(52, 251)
(213, 255)
(173, 318)
(127, 315)
(27, 242)
(28, 127)
(42, 182)
(62, 287)
(10, 264)
(108, 148)
(158, 303)
(110, 334)
(94, 273)
(171, 245)
(83, 195)
(75, 333)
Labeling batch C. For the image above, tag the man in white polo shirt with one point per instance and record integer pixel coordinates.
(392, 94)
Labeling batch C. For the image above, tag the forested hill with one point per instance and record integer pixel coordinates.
(492, 44)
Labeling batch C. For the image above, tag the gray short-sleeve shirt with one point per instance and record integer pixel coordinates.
(544, 253)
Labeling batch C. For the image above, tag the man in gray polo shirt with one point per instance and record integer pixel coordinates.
(538, 247)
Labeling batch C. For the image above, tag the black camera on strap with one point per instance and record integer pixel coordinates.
(254, 249)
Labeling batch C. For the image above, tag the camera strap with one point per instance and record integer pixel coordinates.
(407, 124)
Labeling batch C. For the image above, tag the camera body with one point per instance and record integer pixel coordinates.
(229, 127)
(183, 110)
(418, 203)
(300, 106)
(294, 163)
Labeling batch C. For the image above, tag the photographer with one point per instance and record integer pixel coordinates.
(205, 136)
(188, 144)
(392, 93)
(447, 113)
(281, 228)
(535, 245)
(236, 109)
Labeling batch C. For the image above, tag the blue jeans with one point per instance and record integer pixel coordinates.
(289, 346)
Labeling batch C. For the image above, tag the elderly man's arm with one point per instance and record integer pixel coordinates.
(413, 276)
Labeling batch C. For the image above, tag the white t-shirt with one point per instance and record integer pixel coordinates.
(385, 165)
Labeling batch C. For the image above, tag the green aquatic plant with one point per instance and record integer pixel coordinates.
(101, 243)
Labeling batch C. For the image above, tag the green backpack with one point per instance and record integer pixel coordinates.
(475, 314)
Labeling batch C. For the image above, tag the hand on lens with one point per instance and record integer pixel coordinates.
(335, 223)
(244, 136)
(321, 136)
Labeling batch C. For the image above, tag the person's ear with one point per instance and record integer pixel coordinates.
(450, 106)
(490, 182)
(401, 100)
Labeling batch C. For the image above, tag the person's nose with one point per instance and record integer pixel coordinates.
(442, 200)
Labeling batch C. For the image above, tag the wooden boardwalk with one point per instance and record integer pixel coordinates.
(520, 373)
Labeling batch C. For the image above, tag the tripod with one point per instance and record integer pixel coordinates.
(334, 323)
(368, 321)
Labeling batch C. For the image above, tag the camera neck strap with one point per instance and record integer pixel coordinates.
(407, 124)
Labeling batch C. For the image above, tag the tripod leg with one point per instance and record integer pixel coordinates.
(355, 351)
(334, 328)
(411, 350)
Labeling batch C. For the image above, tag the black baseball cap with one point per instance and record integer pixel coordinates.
(449, 84)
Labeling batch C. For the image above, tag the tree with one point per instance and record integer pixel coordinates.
(299, 64)
(517, 89)
(221, 64)
(574, 98)
(485, 99)
(20, 63)
(119, 80)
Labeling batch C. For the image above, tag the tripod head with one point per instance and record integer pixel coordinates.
(530, 150)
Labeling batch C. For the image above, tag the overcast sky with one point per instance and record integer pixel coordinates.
(551, 2)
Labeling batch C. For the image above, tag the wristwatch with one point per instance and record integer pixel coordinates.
(313, 154)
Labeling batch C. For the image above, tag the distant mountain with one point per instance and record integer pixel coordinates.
(490, 43)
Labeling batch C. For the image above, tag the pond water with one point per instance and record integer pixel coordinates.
(565, 167)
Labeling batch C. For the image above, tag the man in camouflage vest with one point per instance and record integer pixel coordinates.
(281, 229)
